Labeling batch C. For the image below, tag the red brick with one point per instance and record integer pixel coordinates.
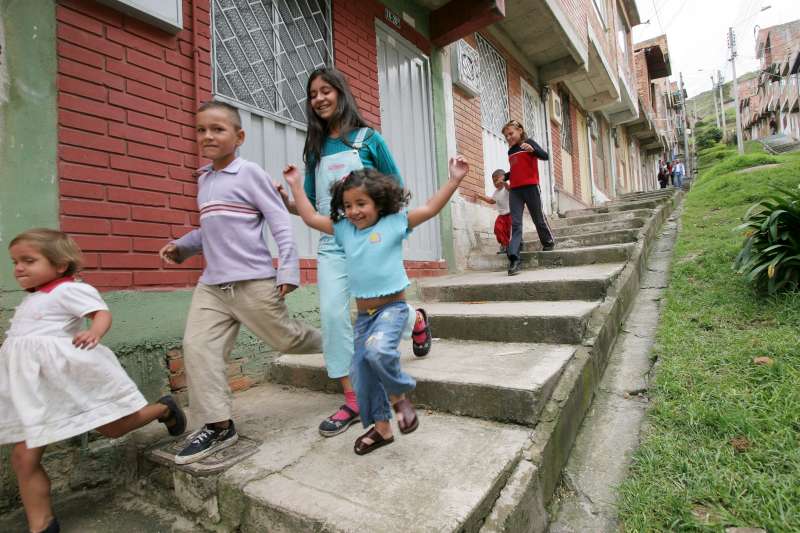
(182, 174)
(130, 261)
(133, 196)
(241, 383)
(174, 58)
(190, 189)
(79, 20)
(82, 88)
(180, 88)
(85, 225)
(148, 245)
(89, 41)
(81, 55)
(151, 33)
(177, 382)
(138, 165)
(191, 161)
(107, 279)
(83, 156)
(153, 214)
(81, 190)
(85, 72)
(144, 151)
(156, 184)
(89, 261)
(99, 142)
(155, 124)
(175, 365)
(135, 103)
(133, 72)
(181, 117)
(151, 93)
(89, 107)
(139, 229)
(132, 133)
(130, 40)
(182, 145)
(180, 231)
(104, 14)
(92, 174)
(79, 121)
(103, 244)
(161, 278)
(193, 263)
(154, 65)
(94, 209)
(183, 202)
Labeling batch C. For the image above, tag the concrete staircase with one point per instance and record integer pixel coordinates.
(500, 397)
(780, 144)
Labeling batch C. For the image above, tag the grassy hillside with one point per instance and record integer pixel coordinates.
(704, 102)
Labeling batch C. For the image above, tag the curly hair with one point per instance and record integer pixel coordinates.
(56, 246)
(388, 195)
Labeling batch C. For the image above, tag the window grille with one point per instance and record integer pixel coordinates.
(566, 124)
(530, 117)
(494, 88)
(264, 51)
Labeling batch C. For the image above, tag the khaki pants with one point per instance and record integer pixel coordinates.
(211, 328)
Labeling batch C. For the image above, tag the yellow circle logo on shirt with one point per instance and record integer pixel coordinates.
(374, 237)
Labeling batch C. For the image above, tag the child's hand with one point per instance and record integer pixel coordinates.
(458, 168)
(86, 339)
(527, 147)
(282, 191)
(285, 289)
(292, 176)
(169, 253)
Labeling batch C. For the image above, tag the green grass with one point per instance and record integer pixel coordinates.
(707, 391)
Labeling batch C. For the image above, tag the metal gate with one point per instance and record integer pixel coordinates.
(264, 52)
(535, 123)
(494, 110)
(404, 81)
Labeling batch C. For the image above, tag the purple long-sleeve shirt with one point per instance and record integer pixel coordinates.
(234, 204)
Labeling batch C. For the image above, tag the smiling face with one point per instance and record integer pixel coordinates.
(31, 268)
(218, 136)
(324, 98)
(498, 180)
(513, 135)
(359, 207)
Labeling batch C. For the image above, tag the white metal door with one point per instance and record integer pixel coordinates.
(264, 52)
(533, 118)
(494, 110)
(407, 125)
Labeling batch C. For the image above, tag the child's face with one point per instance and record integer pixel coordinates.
(323, 97)
(513, 135)
(217, 135)
(497, 179)
(359, 207)
(31, 268)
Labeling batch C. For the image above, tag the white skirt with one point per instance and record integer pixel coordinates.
(50, 390)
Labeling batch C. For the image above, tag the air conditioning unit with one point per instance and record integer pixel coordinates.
(556, 111)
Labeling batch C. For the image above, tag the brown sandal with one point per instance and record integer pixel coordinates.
(410, 421)
(361, 448)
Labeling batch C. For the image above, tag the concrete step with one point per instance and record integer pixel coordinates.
(600, 217)
(623, 206)
(506, 382)
(556, 322)
(560, 257)
(589, 282)
(591, 239)
(489, 242)
(632, 196)
(446, 476)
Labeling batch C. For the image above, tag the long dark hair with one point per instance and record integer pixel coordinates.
(346, 117)
(388, 195)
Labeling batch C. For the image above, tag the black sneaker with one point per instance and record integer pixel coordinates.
(176, 419)
(514, 267)
(548, 247)
(205, 442)
(52, 527)
(330, 427)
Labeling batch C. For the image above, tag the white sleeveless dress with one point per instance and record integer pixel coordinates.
(49, 389)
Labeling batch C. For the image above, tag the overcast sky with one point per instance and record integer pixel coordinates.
(697, 33)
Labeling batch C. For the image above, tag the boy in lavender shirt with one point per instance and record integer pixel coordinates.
(239, 284)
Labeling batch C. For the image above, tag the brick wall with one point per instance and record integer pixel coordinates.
(126, 148)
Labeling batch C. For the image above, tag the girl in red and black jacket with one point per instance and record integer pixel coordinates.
(523, 157)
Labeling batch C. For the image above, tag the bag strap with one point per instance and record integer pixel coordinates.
(360, 136)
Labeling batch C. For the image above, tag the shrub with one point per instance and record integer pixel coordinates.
(708, 137)
(770, 256)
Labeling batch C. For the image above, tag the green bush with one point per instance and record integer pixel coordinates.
(770, 256)
(708, 137)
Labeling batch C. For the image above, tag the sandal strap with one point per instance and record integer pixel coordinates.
(347, 408)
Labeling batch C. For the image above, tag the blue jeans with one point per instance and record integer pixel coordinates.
(376, 369)
(677, 180)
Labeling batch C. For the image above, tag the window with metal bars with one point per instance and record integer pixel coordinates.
(264, 51)
(530, 117)
(494, 87)
(566, 124)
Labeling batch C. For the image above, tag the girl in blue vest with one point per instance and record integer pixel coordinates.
(523, 158)
(368, 222)
(338, 142)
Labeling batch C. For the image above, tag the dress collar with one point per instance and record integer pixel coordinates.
(50, 285)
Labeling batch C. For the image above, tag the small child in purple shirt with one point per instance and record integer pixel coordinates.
(239, 284)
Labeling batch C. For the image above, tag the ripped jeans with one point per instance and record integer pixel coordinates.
(375, 370)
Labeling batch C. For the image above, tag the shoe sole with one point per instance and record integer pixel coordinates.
(205, 453)
(341, 430)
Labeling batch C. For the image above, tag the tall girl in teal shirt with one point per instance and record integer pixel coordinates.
(338, 142)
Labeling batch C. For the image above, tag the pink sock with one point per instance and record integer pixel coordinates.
(349, 401)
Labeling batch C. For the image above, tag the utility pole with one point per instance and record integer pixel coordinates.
(714, 96)
(722, 107)
(732, 46)
(686, 159)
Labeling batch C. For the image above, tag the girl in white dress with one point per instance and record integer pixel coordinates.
(56, 380)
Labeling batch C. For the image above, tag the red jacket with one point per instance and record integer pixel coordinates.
(525, 165)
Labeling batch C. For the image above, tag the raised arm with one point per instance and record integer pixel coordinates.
(303, 205)
(458, 169)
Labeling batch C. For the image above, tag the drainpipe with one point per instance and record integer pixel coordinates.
(613, 149)
(589, 121)
(196, 59)
(554, 203)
